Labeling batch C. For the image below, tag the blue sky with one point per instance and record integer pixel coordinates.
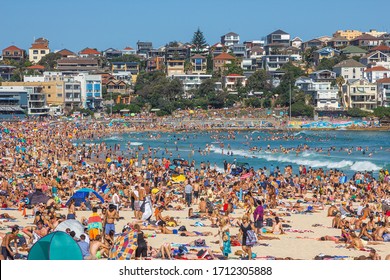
(75, 24)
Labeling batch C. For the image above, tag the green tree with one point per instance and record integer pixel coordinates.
(49, 61)
(126, 58)
(301, 109)
(233, 68)
(259, 81)
(198, 40)
(357, 113)
(382, 112)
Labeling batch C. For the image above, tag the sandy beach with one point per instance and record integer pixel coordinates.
(292, 244)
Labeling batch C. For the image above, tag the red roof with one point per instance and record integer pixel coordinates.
(65, 52)
(383, 81)
(89, 51)
(224, 56)
(39, 46)
(37, 67)
(12, 48)
(381, 48)
(377, 68)
(128, 49)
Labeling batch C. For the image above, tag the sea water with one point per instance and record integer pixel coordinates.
(349, 159)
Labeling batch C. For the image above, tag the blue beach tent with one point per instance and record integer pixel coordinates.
(81, 195)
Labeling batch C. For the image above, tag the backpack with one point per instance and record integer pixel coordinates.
(251, 238)
(268, 222)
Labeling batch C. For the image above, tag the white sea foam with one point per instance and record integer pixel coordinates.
(115, 138)
(305, 159)
(136, 143)
(364, 165)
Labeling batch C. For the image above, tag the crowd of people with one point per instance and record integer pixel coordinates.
(40, 160)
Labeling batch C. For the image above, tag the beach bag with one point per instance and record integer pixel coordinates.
(251, 238)
(200, 243)
(268, 222)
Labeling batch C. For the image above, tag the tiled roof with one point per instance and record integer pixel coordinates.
(279, 31)
(377, 69)
(348, 63)
(12, 48)
(231, 34)
(373, 53)
(365, 37)
(39, 47)
(66, 52)
(198, 56)
(128, 49)
(37, 67)
(383, 81)
(353, 49)
(89, 51)
(224, 56)
(381, 48)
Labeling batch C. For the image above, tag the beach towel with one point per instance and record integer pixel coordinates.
(124, 246)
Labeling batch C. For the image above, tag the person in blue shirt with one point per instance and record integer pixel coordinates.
(84, 246)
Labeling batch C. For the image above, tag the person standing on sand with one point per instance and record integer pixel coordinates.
(109, 219)
(6, 250)
(245, 226)
(258, 217)
(188, 193)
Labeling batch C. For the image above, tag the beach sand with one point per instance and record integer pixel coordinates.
(294, 245)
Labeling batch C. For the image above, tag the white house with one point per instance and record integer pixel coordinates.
(376, 73)
(91, 90)
(349, 69)
(360, 93)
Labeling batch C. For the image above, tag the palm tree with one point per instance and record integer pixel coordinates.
(340, 81)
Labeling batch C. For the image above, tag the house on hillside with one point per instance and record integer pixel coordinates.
(13, 53)
(338, 42)
(360, 93)
(230, 39)
(66, 53)
(38, 50)
(326, 52)
(376, 58)
(376, 73)
(352, 51)
(88, 52)
(349, 69)
(220, 62)
(365, 40)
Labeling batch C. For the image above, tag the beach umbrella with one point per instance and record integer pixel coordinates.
(73, 225)
(132, 114)
(55, 246)
(124, 246)
(81, 195)
(38, 197)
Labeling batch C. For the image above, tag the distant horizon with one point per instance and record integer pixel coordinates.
(76, 25)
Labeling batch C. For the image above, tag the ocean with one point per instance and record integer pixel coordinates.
(351, 151)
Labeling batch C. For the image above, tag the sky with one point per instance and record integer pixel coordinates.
(76, 24)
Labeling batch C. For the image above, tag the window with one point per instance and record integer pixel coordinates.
(35, 57)
(49, 95)
(59, 94)
(43, 52)
(373, 88)
(35, 51)
(346, 76)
